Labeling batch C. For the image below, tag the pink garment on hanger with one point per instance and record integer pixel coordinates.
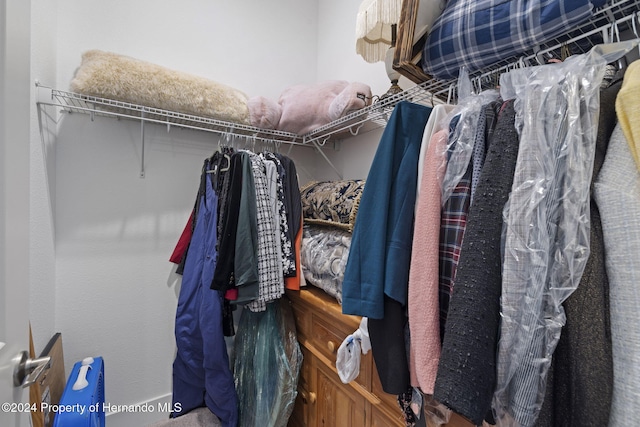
(424, 322)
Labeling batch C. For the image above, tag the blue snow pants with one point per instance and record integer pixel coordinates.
(201, 372)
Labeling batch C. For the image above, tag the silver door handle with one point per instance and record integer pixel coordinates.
(27, 371)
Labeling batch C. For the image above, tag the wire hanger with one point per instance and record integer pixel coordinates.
(450, 94)
(636, 16)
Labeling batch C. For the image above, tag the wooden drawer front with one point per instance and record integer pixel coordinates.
(326, 337)
(306, 369)
(304, 409)
(337, 405)
(301, 315)
(300, 415)
(389, 400)
(385, 418)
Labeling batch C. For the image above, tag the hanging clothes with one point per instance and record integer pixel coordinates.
(378, 262)
(453, 221)
(617, 192)
(245, 267)
(271, 285)
(237, 264)
(377, 272)
(424, 350)
(183, 242)
(580, 389)
(465, 378)
(439, 117)
(546, 223)
(423, 271)
(439, 228)
(628, 109)
(201, 373)
(216, 163)
(286, 244)
(293, 206)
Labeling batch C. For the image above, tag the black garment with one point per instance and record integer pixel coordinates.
(221, 183)
(387, 336)
(247, 278)
(293, 205)
(580, 391)
(491, 111)
(467, 370)
(223, 278)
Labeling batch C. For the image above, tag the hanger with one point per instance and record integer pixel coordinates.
(226, 157)
(615, 38)
(214, 170)
(452, 88)
(222, 150)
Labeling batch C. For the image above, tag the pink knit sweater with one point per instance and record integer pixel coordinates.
(424, 322)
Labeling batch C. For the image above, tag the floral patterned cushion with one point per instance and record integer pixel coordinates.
(333, 203)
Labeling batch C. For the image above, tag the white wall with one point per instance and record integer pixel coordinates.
(115, 289)
(42, 176)
(337, 58)
(253, 46)
(14, 196)
(107, 284)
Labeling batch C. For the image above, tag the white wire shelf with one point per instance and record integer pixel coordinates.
(606, 25)
(373, 116)
(75, 102)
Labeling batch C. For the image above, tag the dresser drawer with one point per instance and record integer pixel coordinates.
(389, 400)
(327, 336)
(322, 326)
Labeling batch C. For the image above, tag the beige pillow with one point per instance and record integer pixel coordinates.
(122, 78)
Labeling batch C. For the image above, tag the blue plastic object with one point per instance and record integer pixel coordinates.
(82, 402)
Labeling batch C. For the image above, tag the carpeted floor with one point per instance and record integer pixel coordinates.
(201, 417)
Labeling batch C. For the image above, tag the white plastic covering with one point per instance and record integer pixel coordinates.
(462, 136)
(348, 357)
(546, 221)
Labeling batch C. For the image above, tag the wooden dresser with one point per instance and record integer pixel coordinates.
(323, 400)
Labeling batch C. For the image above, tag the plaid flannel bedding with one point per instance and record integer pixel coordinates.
(478, 33)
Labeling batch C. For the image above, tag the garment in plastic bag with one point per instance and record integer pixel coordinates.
(462, 123)
(348, 357)
(546, 222)
(267, 365)
(435, 412)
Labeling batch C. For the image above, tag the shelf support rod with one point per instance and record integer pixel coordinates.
(317, 146)
(142, 139)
